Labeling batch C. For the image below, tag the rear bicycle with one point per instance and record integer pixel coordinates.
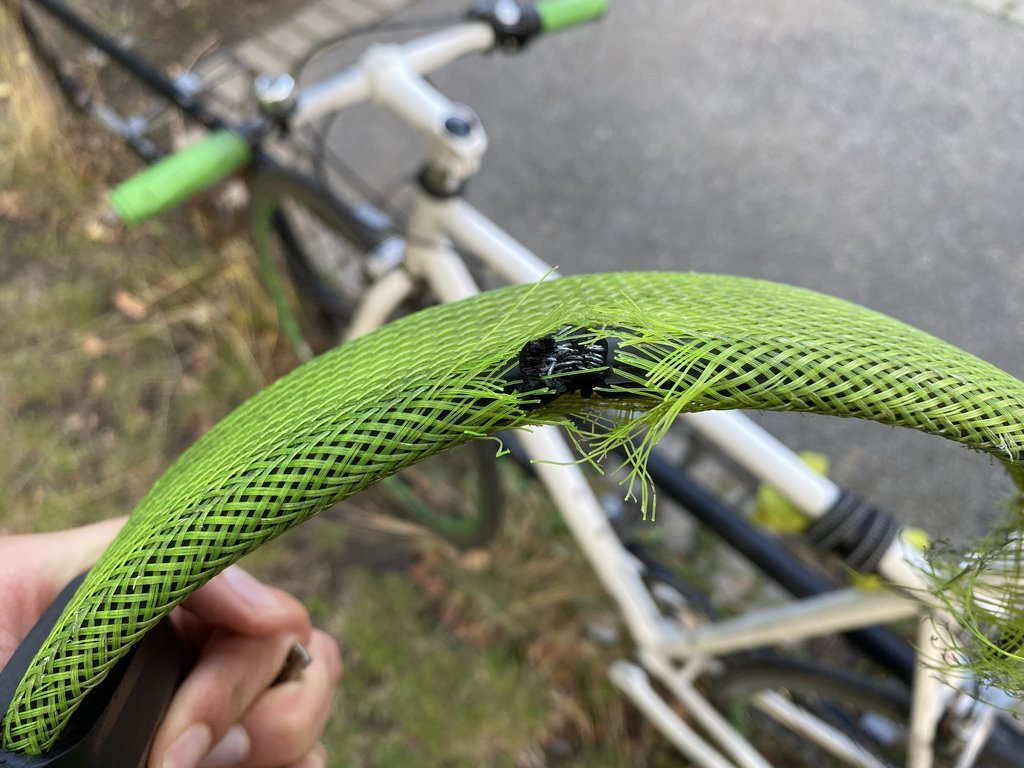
(318, 248)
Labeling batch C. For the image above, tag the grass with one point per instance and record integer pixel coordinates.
(120, 347)
(411, 698)
(118, 353)
(30, 125)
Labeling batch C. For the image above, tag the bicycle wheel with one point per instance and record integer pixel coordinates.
(764, 688)
(870, 711)
(760, 690)
(326, 245)
(329, 249)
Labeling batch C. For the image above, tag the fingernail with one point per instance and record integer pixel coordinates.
(189, 748)
(251, 589)
(231, 750)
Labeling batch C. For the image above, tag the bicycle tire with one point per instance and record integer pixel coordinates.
(841, 697)
(458, 496)
(299, 220)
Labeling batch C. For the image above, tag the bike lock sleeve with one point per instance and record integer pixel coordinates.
(437, 378)
(179, 176)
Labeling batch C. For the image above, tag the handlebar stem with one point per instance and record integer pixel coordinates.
(392, 76)
(456, 138)
(420, 56)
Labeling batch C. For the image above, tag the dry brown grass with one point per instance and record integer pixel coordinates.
(31, 119)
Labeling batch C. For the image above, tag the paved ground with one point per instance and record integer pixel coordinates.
(867, 148)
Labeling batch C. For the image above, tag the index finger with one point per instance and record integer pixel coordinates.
(238, 601)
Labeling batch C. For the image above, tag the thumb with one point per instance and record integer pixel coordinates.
(34, 568)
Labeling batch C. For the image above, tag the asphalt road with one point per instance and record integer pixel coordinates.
(870, 149)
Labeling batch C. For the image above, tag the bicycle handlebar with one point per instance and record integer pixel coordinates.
(664, 343)
(486, 28)
(180, 175)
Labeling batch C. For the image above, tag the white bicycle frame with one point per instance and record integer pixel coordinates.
(666, 650)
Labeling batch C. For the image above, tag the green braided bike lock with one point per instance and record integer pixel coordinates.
(440, 377)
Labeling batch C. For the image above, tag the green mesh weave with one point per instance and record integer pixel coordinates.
(345, 420)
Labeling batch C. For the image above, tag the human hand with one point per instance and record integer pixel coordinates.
(227, 712)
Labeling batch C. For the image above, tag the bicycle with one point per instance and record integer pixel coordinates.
(625, 578)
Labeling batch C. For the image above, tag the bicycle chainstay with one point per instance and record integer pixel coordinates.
(339, 423)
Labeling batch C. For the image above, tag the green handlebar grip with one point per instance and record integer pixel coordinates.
(179, 176)
(559, 14)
